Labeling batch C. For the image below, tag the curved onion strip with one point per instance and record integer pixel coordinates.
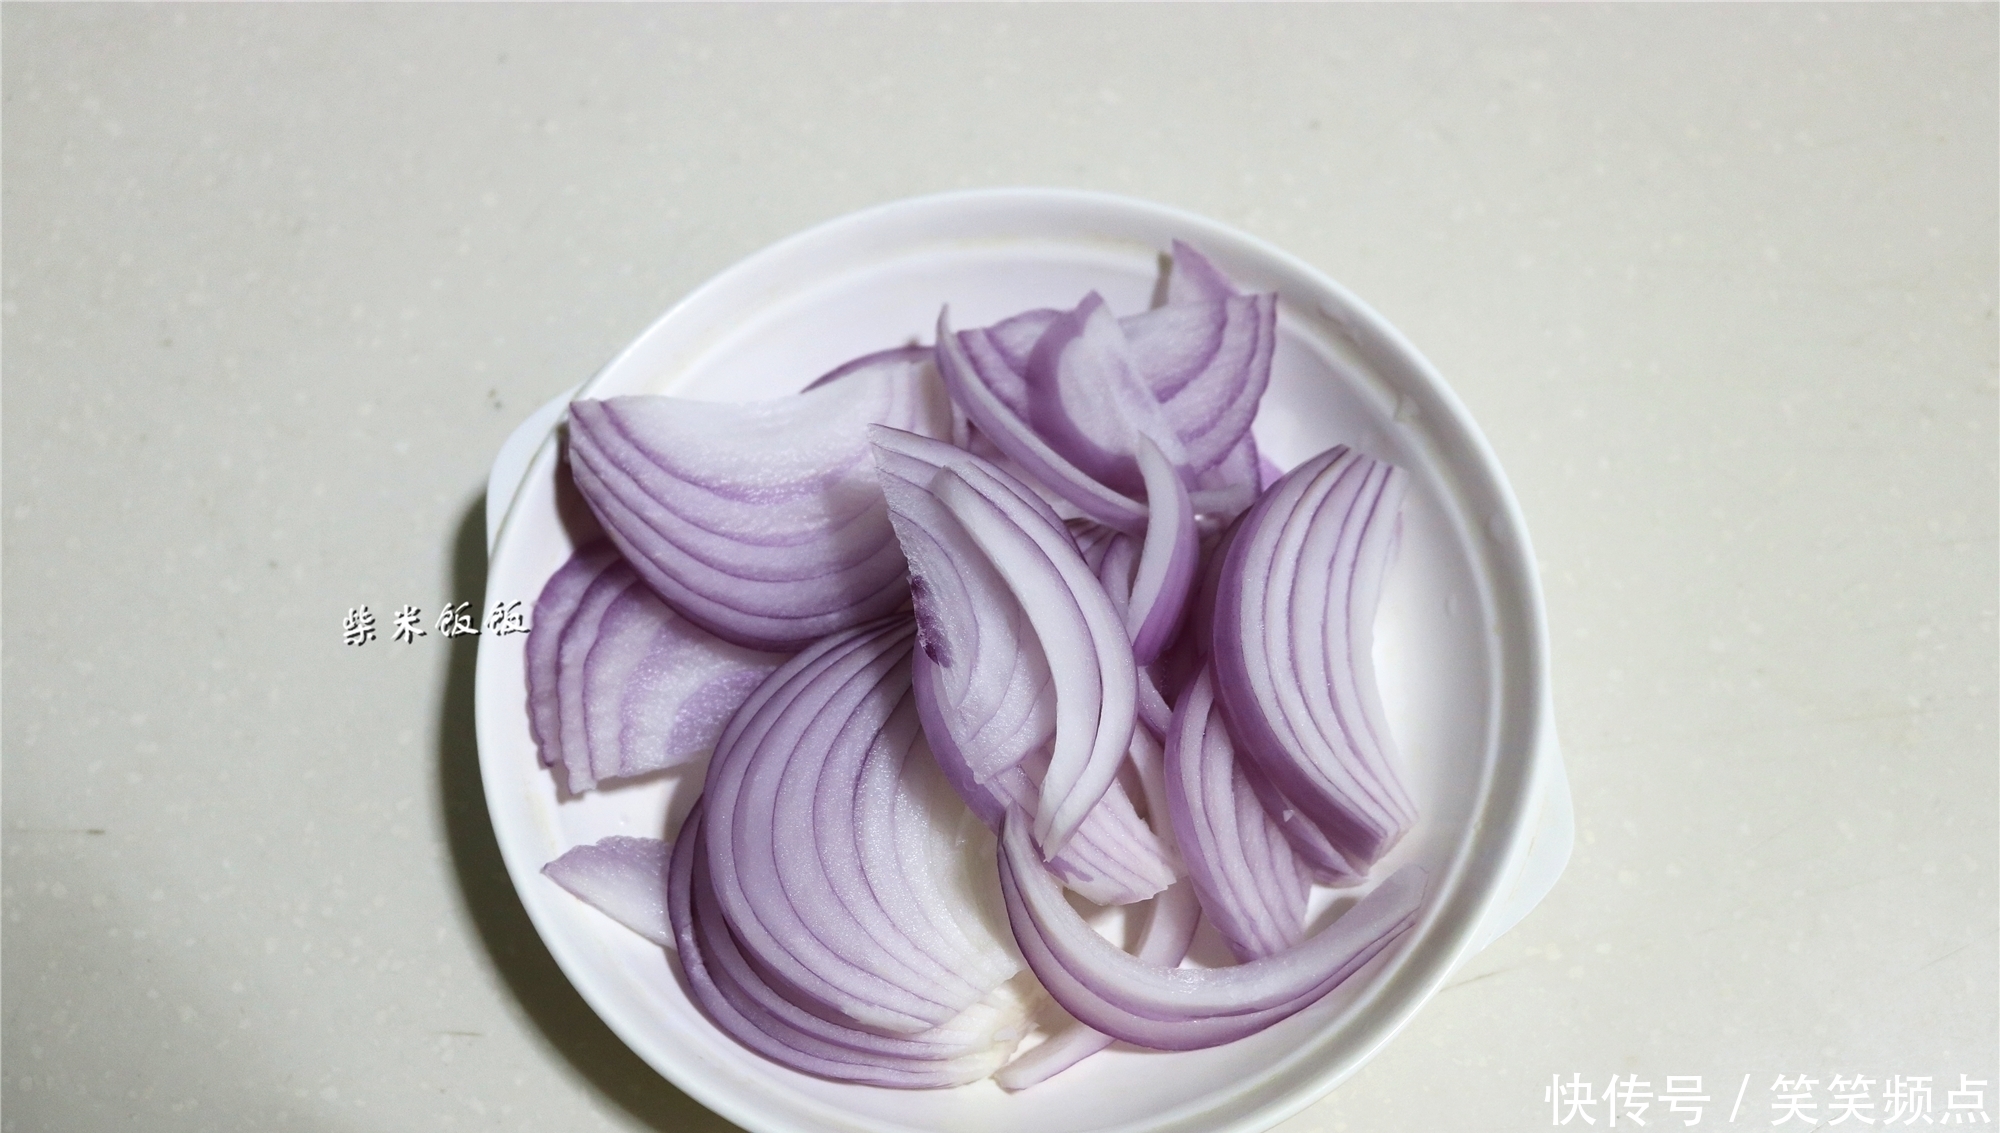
(1114, 859)
(791, 861)
(1166, 562)
(620, 685)
(1223, 492)
(1249, 880)
(993, 679)
(1088, 400)
(553, 610)
(1291, 634)
(1096, 683)
(579, 634)
(1164, 941)
(1195, 279)
(965, 363)
(759, 521)
(892, 359)
(1184, 1008)
(734, 994)
(1323, 862)
(1209, 366)
(623, 878)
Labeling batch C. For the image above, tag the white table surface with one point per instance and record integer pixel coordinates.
(1718, 282)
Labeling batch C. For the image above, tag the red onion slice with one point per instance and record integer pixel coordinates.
(1164, 941)
(759, 521)
(623, 878)
(1090, 660)
(1293, 647)
(579, 634)
(992, 677)
(553, 610)
(1250, 881)
(1167, 560)
(618, 684)
(1087, 398)
(971, 366)
(1182, 1008)
(988, 560)
(1195, 279)
(734, 993)
(1208, 365)
(791, 862)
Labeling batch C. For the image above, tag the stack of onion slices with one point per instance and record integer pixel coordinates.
(967, 627)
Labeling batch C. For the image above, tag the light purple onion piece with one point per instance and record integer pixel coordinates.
(1323, 861)
(579, 634)
(1293, 647)
(759, 521)
(983, 688)
(1251, 883)
(1090, 659)
(553, 609)
(971, 365)
(735, 994)
(790, 859)
(989, 560)
(623, 878)
(1187, 1008)
(1115, 857)
(1195, 278)
(993, 680)
(618, 684)
(1164, 941)
(1087, 398)
(1167, 561)
(1208, 365)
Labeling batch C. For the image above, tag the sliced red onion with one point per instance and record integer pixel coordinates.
(1323, 861)
(982, 544)
(759, 521)
(734, 993)
(1223, 492)
(1195, 279)
(1293, 639)
(1167, 561)
(618, 684)
(1066, 394)
(972, 365)
(553, 610)
(623, 878)
(984, 692)
(1087, 398)
(1164, 941)
(1186, 1008)
(796, 871)
(993, 678)
(579, 635)
(1115, 857)
(1090, 660)
(1114, 557)
(1250, 881)
(1208, 364)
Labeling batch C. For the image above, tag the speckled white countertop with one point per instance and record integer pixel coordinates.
(1718, 282)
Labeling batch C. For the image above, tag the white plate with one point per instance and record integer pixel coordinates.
(1460, 643)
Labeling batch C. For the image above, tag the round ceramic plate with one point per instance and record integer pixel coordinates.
(1459, 644)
